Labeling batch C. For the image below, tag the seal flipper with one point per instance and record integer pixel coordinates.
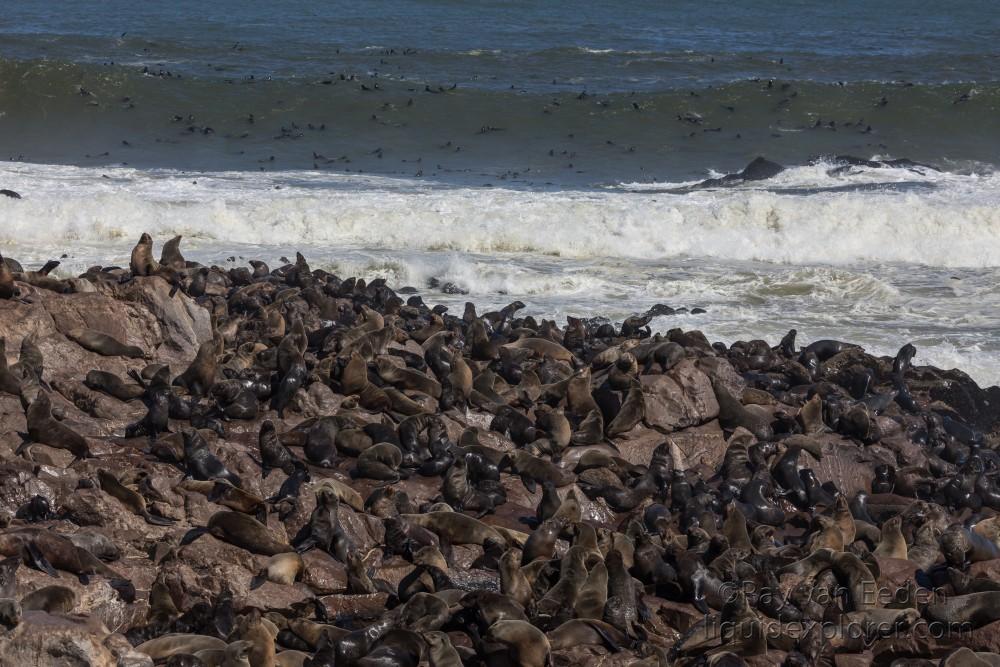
(258, 580)
(608, 639)
(155, 520)
(529, 484)
(698, 594)
(124, 588)
(38, 561)
(84, 579)
(305, 545)
(193, 535)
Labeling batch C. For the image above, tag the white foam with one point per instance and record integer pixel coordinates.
(955, 224)
(880, 267)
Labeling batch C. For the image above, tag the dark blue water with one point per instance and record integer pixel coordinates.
(534, 94)
(648, 45)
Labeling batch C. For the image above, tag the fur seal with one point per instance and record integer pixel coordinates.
(112, 385)
(972, 610)
(240, 530)
(8, 290)
(170, 254)
(142, 262)
(129, 498)
(441, 652)
(103, 344)
(200, 375)
(527, 645)
(587, 632)
(201, 463)
(161, 648)
(43, 428)
(273, 454)
(892, 545)
(50, 599)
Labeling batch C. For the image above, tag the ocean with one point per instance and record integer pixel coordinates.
(537, 151)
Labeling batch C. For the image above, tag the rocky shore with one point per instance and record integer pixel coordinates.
(278, 466)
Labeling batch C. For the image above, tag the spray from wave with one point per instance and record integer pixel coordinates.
(894, 215)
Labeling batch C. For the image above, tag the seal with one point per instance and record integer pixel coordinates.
(273, 454)
(541, 544)
(893, 544)
(533, 470)
(8, 290)
(972, 610)
(50, 599)
(112, 385)
(162, 648)
(441, 652)
(129, 498)
(170, 254)
(8, 576)
(199, 376)
(240, 530)
(201, 463)
(526, 645)
(142, 263)
(380, 461)
(587, 632)
(558, 603)
(324, 530)
(593, 594)
(43, 428)
(320, 447)
(632, 412)
(453, 528)
(103, 344)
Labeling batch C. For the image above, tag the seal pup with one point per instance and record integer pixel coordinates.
(892, 544)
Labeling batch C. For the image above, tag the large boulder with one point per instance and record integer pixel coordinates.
(680, 398)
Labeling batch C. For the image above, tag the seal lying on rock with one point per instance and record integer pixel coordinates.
(393, 483)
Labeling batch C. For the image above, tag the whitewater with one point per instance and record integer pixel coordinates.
(878, 256)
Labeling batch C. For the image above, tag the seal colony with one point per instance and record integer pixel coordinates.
(284, 467)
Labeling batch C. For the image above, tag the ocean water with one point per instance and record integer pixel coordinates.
(534, 151)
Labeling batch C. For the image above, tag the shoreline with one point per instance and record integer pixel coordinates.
(285, 410)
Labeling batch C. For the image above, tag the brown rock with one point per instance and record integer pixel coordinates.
(44, 640)
(680, 398)
(847, 463)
